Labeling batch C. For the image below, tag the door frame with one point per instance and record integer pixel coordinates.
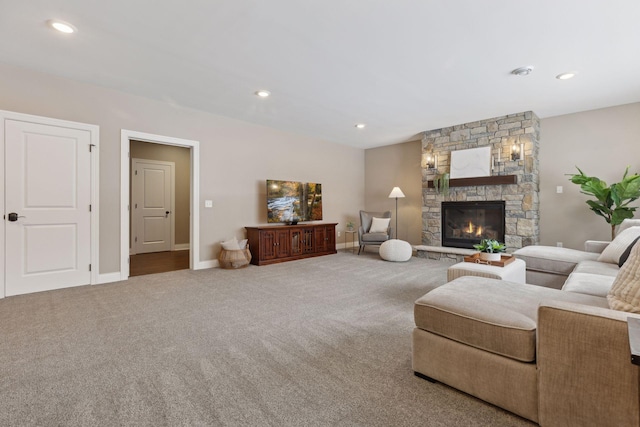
(172, 219)
(94, 137)
(194, 218)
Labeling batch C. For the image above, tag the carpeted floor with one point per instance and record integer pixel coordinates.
(318, 342)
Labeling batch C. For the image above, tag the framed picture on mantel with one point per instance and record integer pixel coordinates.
(471, 163)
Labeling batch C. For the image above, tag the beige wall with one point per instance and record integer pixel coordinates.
(236, 157)
(181, 156)
(396, 166)
(600, 142)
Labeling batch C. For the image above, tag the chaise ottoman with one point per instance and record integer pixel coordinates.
(515, 271)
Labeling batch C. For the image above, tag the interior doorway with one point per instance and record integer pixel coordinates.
(159, 160)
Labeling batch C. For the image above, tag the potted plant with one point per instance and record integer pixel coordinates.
(441, 184)
(611, 201)
(350, 225)
(490, 249)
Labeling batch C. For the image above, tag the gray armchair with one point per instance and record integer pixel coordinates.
(366, 238)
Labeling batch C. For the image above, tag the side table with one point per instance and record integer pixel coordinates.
(353, 239)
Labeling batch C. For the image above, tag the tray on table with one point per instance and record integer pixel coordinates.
(504, 260)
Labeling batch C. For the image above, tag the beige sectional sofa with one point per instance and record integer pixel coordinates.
(559, 357)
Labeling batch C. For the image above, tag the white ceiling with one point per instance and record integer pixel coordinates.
(400, 66)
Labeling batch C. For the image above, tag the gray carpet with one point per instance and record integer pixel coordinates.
(323, 341)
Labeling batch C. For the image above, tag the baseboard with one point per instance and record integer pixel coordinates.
(206, 264)
(182, 247)
(108, 278)
(346, 245)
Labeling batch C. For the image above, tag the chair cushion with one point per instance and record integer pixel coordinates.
(625, 291)
(375, 237)
(617, 247)
(491, 315)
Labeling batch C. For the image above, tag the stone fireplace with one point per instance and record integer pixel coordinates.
(512, 182)
(466, 223)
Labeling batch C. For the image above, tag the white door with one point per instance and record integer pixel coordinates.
(152, 195)
(47, 207)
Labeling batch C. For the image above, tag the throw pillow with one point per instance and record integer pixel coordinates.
(625, 254)
(231, 244)
(612, 253)
(380, 225)
(624, 294)
(628, 222)
(242, 243)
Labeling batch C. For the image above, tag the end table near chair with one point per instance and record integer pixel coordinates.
(351, 233)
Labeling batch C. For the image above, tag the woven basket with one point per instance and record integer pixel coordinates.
(235, 258)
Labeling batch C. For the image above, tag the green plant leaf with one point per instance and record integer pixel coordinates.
(621, 214)
(611, 202)
(490, 246)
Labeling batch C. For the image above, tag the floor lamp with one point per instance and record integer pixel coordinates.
(397, 194)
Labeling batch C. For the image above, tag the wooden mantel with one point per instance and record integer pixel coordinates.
(481, 180)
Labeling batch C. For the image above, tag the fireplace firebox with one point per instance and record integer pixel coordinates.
(466, 223)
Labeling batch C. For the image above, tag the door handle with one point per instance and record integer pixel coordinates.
(166, 214)
(12, 217)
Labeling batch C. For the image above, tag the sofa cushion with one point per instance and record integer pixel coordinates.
(596, 267)
(489, 314)
(589, 284)
(617, 247)
(625, 291)
(551, 259)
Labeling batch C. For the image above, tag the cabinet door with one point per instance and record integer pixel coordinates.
(308, 240)
(330, 235)
(282, 244)
(267, 245)
(321, 239)
(297, 248)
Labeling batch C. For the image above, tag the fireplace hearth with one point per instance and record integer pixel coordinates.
(466, 223)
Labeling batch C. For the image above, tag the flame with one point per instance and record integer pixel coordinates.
(479, 231)
(470, 230)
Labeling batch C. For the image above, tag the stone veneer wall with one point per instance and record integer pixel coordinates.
(521, 200)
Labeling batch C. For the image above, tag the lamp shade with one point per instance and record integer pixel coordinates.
(396, 193)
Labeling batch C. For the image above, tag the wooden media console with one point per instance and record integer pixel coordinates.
(279, 243)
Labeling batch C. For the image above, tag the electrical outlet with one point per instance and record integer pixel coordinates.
(208, 203)
(338, 234)
(559, 244)
(559, 189)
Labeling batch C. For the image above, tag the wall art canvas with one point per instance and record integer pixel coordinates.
(471, 163)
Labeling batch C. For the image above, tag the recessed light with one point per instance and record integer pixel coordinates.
(523, 71)
(63, 27)
(565, 76)
(263, 93)
(360, 125)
